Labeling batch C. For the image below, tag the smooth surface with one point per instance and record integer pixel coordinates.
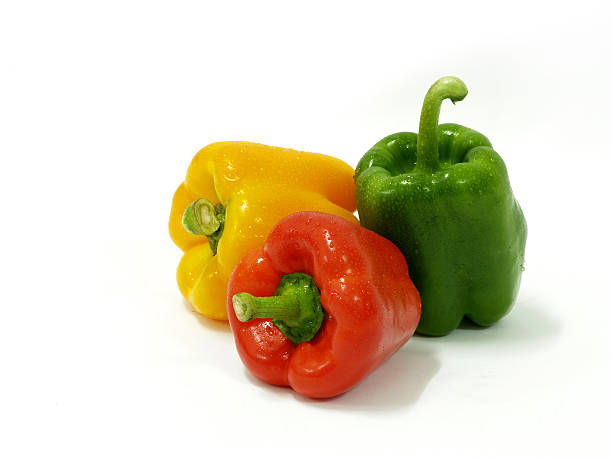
(102, 108)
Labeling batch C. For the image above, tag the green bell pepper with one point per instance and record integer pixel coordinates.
(444, 198)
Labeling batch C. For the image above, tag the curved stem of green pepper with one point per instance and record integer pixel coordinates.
(427, 142)
(205, 219)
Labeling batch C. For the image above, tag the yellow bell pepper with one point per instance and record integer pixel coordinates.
(256, 186)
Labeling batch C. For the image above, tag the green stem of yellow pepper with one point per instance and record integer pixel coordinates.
(205, 219)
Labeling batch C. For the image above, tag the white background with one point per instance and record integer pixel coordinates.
(102, 106)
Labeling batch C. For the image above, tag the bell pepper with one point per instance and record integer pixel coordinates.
(444, 198)
(321, 305)
(233, 195)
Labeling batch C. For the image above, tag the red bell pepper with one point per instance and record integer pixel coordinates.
(371, 307)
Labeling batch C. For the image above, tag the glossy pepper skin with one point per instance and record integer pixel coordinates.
(258, 185)
(444, 197)
(371, 305)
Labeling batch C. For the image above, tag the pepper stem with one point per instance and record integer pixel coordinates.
(427, 141)
(248, 307)
(200, 218)
(295, 307)
(204, 219)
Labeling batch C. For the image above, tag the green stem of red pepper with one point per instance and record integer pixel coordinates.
(249, 307)
(427, 141)
(205, 219)
(295, 307)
